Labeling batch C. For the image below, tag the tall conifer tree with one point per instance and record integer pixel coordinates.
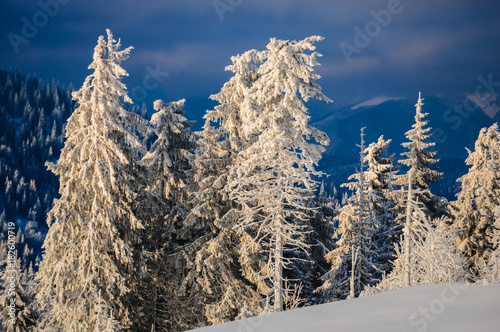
(273, 177)
(89, 249)
(420, 161)
(352, 259)
(473, 211)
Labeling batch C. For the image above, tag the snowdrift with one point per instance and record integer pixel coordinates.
(443, 308)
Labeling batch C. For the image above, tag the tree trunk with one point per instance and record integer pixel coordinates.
(278, 256)
(407, 234)
(278, 287)
(353, 271)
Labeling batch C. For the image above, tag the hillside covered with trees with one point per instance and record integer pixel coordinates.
(147, 225)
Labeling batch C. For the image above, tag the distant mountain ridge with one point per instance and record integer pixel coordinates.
(456, 126)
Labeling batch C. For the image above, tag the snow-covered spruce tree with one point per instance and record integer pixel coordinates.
(220, 142)
(420, 161)
(167, 162)
(215, 278)
(427, 254)
(480, 195)
(89, 249)
(352, 260)
(430, 258)
(16, 284)
(381, 188)
(436, 258)
(273, 177)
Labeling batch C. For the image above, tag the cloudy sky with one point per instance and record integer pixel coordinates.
(371, 48)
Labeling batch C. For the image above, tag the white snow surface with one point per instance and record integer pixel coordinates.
(373, 102)
(442, 307)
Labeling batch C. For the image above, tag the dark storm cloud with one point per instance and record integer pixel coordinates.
(436, 46)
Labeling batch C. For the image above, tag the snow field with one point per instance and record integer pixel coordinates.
(442, 307)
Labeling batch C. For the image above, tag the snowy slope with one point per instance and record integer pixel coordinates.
(443, 308)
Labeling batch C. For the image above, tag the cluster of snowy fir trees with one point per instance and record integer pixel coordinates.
(158, 228)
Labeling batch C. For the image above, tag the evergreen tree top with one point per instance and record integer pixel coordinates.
(419, 159)
(419, 133)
